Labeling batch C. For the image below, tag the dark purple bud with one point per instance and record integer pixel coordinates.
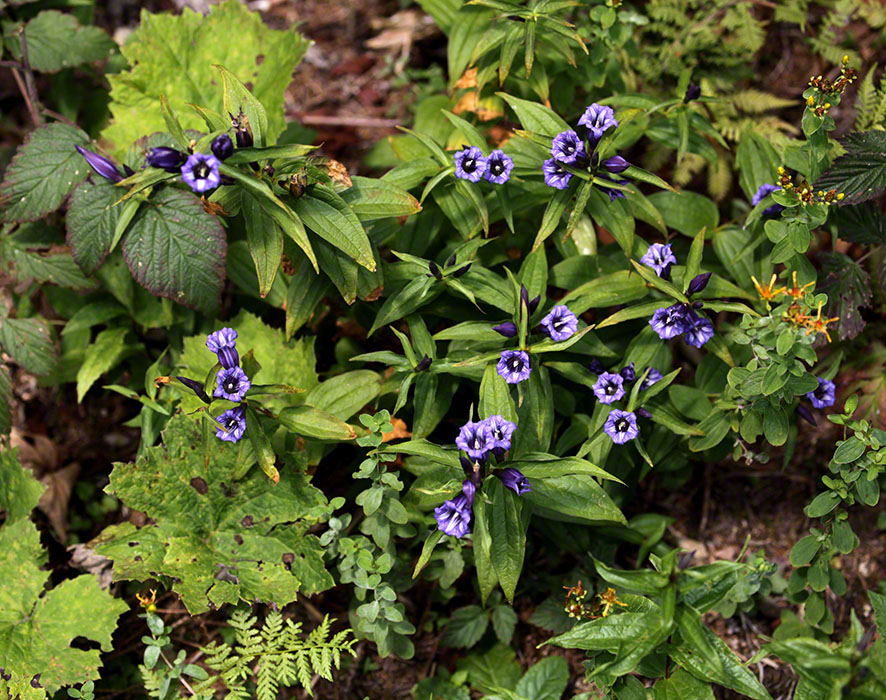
(467, 466)
(507, 329)
(533, 304)
(693, 92)
(222, 147)
(243, 132)
(435, 270)
(499, 453)
(228, 357)
(643, 413)
(127, 171)
(628, 373)
(697, 304)
(196, 387)
(524, 298)
(514, 480)
(451, 261)
(698, 283)
(616, 164)
(101, 165)
(596, 366)
(666, 272)
(461, 270)
(804, 413)
(423, 364)
(167, 158)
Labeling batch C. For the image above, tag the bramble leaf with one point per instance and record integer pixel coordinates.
(173, 55)
(36, 629)
(860, 173)
(19, 490)
(56, 40)
(29, 343)
(220, 538)
(45, 169)
(91, 222)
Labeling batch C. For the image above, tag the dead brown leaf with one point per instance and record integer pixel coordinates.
(338, 173)
(398, 432)
(83, 558)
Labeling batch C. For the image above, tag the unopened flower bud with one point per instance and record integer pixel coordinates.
(693, 92)
(451, 261)
(423, 364)
(101, 165)
(196, 387)
(507, 329)
(169, 159)
(435, 270)
(462, 270)
(222, 147)
(698, 283)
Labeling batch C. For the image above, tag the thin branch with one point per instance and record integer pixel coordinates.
(361, 122)
(31, 88)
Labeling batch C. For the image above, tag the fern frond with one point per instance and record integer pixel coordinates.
(757, 101)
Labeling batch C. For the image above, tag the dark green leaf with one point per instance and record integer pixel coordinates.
(860, 174)
(507, 530)
(56, 41)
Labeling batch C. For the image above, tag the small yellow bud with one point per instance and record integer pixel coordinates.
(840, 197)
(810, 101)
(846, 58)
(780, 170)
(827, 105)
(151, 608)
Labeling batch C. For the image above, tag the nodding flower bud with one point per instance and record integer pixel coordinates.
(698, 283)
(423, 364)
(533, 304)
(101, 165)
(642, 412)
(596, 366)
(196, 387)
(451, 261)
(804, 413)
(435, 270)
(507, 329)
(462, 270)
(697, 304)
(222, 147)
(242, 130)
(693, 92)
(616, 164)
(524, 298)
(467, 466)
(169, 159)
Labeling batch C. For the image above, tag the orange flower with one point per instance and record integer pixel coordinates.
(819, 324)
(798, 292)
(609, 599)
(768, 292)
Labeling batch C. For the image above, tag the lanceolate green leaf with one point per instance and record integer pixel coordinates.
(107, 350)
(507, 531)
(265, 241)
(330, 217)
(220, 539)
(176, 250)
(45, 169)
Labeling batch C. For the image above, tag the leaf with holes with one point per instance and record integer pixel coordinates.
(45, 169)
(848, 287)
(38, 626)
(860, 174)
(221, 539)
(175, 249)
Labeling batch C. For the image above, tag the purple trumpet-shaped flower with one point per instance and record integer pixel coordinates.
(764, 191)
(597, 119)
(555, 175)
(621, 426)
(232, 384)
(560, 323)
(508, 329)
(824, 395)
(514, 366)
(651, 378)
(169, 159)
(660, 258)
(609, 387)
(628, 373)
(200, 172)
(234, 421)
(224, 344)
(498, 167)
(101, 165)
(222, 147)
(514, 480)
(699, 331)
(475, 439)
(501, 431)
(611, 191)
(454, 517)
(616, 164)
(567, 147)
(669, 322)
(470, 164)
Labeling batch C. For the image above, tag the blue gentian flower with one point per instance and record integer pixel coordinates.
(567, 147)
(621, 426)
(669, 322)
(514, 366)
(200, 172)
(616, 164)
(501, 431)
(555, 175)
(613, 193)
(169, 159)
(628, 373)
(764, 191)
(514, 480)
(454, 517)
(597, 119)
(470, 164)
(101, 165)
(234, 421)
(224, 344)
(660, 258)
(222, 147)
(232, 384)
(498, 167)
(651, 378)
(560, 323)
(609, 387)
(508, 329)
(824, 395)
(700, 330)
(475, 439)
